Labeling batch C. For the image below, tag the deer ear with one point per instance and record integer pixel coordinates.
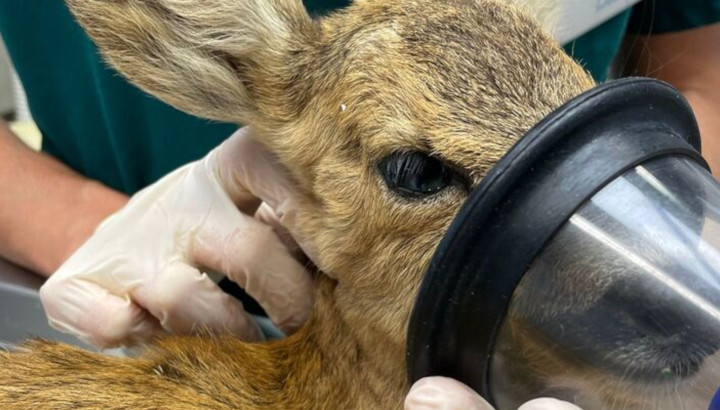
(216, 59)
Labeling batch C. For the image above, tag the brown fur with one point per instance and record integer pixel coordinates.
(461, 79)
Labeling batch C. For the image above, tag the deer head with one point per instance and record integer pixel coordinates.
(386, 114)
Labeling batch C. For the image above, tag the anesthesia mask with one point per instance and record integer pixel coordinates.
(586, 265)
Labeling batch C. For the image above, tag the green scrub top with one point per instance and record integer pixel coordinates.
(106, 129)
(597, 49)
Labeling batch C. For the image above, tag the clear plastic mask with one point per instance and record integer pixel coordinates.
(621, 310)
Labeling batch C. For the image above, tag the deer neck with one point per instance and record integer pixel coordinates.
(334, 363)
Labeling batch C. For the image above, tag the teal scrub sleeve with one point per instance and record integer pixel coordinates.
(667, 16)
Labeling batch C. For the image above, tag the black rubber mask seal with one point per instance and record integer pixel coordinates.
(531, 192)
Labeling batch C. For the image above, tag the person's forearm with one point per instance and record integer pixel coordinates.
(689, 60)
(706, 105)
(46, 209)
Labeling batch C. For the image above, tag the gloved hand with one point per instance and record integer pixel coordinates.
(142, 270)
(441, 393)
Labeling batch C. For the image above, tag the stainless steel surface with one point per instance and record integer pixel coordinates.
(21, 313)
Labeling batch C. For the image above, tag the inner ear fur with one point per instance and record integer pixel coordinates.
(217, 59)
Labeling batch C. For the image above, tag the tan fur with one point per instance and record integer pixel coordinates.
(461, 79)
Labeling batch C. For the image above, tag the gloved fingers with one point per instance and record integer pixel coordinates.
(548, 404)
(185, 300)
(266, 215)
(258, 172)
(246, 167)
(230, 171)
(94, 315)
(441, 393)
(254, 257)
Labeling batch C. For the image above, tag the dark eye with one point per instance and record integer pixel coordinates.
(414, 174)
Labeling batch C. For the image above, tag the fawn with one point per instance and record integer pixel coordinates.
(386, 114)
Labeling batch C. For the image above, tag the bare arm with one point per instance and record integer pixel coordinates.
(690, 60)
(46, 209)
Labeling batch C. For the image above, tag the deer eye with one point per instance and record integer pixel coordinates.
(414, 174)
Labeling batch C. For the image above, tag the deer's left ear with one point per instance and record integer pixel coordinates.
(217, 59)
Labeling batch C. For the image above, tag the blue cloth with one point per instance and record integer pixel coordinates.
(715, 404)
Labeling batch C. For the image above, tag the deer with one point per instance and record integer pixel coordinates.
(343, 101)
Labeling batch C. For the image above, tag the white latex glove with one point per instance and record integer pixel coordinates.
(141, 272)
(441, 393)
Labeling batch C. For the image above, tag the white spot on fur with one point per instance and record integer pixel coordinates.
(343, 107)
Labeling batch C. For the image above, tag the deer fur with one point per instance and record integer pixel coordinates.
(461, 80)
